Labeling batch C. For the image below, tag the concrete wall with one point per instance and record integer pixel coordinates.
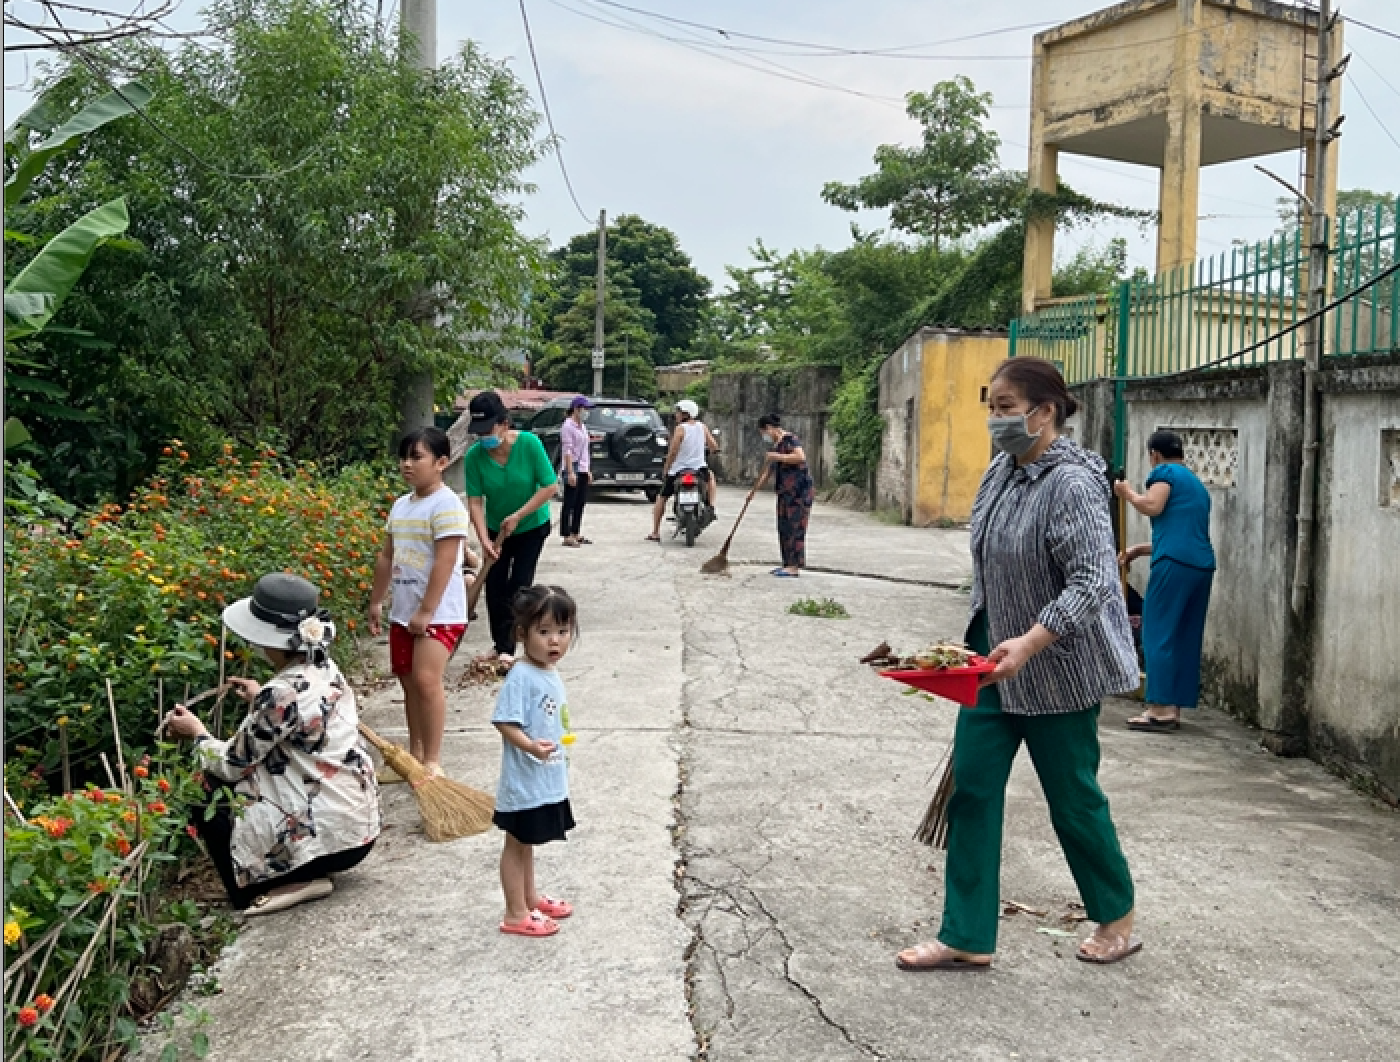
(953, 444)
(934, 446)
(901, 388)
(1327, 684)
(802, 397)
(1354, 695)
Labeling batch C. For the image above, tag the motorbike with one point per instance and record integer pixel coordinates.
(691, 507)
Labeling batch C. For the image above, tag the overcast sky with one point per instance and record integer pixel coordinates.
(724, 148)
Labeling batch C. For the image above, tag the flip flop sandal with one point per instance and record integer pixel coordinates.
(782, 573)
(534, 925)
(267, 903)
(554, 908)
(572, 545)
(947, 962)
(653, 538)
(1123, 948)
(585, 542)
(1148, 725)
(388, 776)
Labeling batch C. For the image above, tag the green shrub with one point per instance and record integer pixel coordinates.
(133, 596)
(82, 877)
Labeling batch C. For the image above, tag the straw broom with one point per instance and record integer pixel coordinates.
(933, 828)
(450, 809)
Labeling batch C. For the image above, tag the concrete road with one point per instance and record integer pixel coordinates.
(743, 869)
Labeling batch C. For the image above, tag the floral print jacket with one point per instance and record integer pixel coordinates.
(305, 776)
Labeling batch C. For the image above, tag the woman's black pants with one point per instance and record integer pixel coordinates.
(513, 571)
(217, 834)
(575, 498)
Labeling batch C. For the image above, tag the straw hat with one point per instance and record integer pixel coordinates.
(281, 614)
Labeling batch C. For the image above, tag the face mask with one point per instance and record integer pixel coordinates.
(1011, 435)
(490, 442)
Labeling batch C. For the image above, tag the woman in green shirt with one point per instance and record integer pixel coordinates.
(509, 481)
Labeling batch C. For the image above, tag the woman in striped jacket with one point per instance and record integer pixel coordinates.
(1048, 609)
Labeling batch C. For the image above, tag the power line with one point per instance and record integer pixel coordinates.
(1362, 97)
(819, 49)
(549, 118)
(1374, 29)
(76, 49)
(714, 51)
(1372, 67)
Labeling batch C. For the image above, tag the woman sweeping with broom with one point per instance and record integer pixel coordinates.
(1048, 610)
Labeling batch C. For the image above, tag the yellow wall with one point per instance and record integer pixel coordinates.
(953, 445)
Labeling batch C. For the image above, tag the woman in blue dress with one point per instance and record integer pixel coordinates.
(1178, 589)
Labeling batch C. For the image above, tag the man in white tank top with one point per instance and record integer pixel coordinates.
(690, 443)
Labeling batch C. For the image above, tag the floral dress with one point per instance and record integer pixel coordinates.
(306, 780)
(795, 495)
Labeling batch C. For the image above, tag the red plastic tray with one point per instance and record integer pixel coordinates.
(955, 683)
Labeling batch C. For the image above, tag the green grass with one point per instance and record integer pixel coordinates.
(893, 517)
(821, 607)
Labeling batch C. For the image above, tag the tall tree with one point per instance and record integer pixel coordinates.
(647, 258)
(275, 286)
(566, 363)
(951, 183)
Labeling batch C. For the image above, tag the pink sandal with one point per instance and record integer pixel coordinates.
(533, 925)
(554, 908)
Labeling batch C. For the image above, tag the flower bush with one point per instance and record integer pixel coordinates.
(81, 879)
(133, 593)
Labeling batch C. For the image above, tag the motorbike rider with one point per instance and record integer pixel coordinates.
(690, 442)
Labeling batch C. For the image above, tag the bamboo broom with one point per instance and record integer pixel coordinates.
(933, 828)
(450, 809)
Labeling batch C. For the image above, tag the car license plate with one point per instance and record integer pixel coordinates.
(631, 477)
(690, 497)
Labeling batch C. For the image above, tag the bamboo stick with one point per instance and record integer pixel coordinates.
(117, 737)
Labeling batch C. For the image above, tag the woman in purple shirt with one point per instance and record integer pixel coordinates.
(574, 466)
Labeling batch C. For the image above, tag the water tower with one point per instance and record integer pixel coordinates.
(1176, 85)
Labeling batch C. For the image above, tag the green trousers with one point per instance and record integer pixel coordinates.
(1065, 751)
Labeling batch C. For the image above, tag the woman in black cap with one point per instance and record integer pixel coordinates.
(509, 482)
(310, 806)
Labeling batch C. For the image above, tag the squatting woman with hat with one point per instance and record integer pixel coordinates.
(309, 803)
(1048, 610)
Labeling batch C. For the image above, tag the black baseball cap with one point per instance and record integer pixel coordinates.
(487, 411)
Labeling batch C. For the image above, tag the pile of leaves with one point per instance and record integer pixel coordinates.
(937, 657)
(820, 607)
(132, 594)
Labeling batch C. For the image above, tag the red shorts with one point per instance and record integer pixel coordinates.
(401, 643)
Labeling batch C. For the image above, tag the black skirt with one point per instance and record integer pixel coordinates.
(549, 822)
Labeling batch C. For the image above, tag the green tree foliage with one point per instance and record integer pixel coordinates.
(951, 183)
(1093, 270)
(288, 303)
(566, 362)
(646, 262)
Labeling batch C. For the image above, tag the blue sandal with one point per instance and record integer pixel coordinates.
(783, 573)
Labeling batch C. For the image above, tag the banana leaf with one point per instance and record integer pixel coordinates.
(55, 269)
(116, 104)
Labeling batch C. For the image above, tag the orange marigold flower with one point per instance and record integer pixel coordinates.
(128, 816)
(158, 806)
(140, 772)
(43, 1002)
(114, 798)
(98, 886)
(123, 847)
(28, 1017)
(167, 451)
(163, 785)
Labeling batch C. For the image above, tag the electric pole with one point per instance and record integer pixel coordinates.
(418, 48)
(1325, 130)
(598, 361)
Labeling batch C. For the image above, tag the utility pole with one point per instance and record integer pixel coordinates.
(1325, 130)
(599, 285)
(418, 48)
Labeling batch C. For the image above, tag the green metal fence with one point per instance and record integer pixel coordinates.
(1248, 297)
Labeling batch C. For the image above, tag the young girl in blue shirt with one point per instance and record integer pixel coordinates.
(532, 795)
